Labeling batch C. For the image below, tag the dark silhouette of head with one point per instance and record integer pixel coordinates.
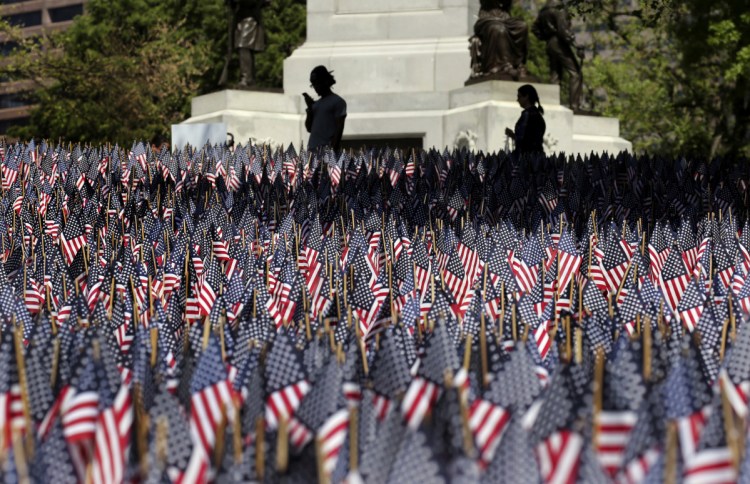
(527, 96)
(322, 80)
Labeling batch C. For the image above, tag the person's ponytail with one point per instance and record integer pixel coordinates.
(530, 92)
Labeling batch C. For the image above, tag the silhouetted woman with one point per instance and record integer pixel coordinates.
(530, 127)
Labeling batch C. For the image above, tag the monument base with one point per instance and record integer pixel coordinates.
(474, 116)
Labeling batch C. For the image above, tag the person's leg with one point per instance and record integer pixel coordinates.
(553, 54)
(576, 81)
(247, 69)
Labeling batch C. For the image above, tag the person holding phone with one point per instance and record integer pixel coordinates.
(326, 116)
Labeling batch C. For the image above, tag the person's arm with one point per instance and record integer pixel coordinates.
(339, 132)
(340, 119)
(309, 118)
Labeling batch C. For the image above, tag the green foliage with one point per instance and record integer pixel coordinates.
(285, 23)
(536, 64)
(127, 69)
(677, 74)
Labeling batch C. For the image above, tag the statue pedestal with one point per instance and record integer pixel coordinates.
(401, 67)
(474, 115)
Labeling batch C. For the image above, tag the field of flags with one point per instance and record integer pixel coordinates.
(261, 314)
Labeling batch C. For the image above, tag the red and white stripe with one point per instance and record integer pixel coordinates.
(636, 470)
(487, 423)
(558, 457)
(419, 398)
(673, 290)
(615, 275)
(284, 402)
(543, 341)
(614, 432)
(331, 436)
(207, 409)
(299, 434)
(206, 299)
(526, 277)
(79, 412)
(710, 466)
(112, 440)
(382, 406)
(689, 432)
(71, 247)
(736, 394)
(568, 266)
(657, 260)
(691, 316)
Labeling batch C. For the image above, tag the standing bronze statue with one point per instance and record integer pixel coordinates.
(552, 25)
(247, 35)
(500, 43)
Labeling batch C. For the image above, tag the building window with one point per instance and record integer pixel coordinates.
(12, 100)
(26, 19)
(63, 14)
(7, 48)
(6, 124)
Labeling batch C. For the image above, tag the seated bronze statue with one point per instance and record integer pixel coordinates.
(499, 46)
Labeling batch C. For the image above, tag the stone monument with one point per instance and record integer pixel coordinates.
(401, 66)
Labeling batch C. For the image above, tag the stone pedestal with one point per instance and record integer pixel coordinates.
(401, 67)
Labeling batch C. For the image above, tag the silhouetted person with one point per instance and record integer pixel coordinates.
(326, 116)
(552, 25)
(530, 127)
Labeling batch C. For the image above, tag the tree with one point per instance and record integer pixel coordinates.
(676, 73)
(127, 69)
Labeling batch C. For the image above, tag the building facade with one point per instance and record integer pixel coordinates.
(34, 17)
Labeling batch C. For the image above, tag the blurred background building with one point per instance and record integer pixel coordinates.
(34, 17)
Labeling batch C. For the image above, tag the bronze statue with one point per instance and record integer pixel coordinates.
(247, 35)
(552, 25)
(499, 46)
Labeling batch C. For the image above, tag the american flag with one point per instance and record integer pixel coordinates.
(426, 387)
(691, 305)
(675, 279)
(286, 381)
(72, 238)
(210, 401)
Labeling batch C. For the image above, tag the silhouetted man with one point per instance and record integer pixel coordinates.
(326, 116)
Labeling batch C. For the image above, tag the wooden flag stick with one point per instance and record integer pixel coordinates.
(598, 391)
(483, 349)
(154, 345)
(467, 352)
(353, 439)
(730, 429)
(260, 448)
(723, 346)
(363, 352)
(671, 454)
(221, 430)
(282, 446)
(568, 339)
(23, 384)
(55, 362)
(320, 459)
(20, 456)
(646, 333)
(162, 431)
